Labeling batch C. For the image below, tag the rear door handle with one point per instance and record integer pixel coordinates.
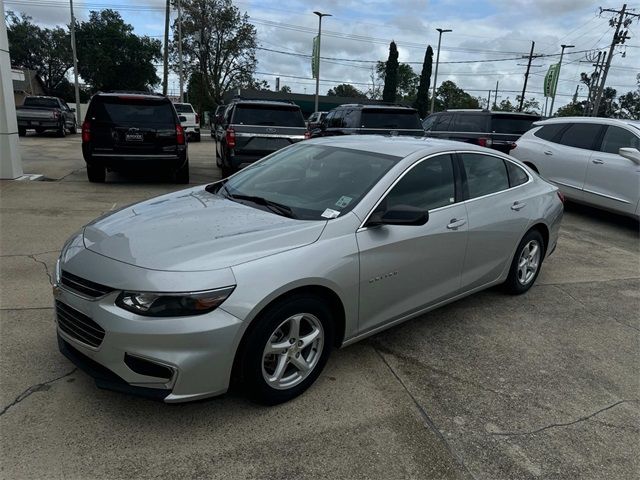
(456, 223)
(597, 161)
(548, 152)
(517, 206)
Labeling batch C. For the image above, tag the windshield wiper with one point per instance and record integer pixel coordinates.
(275, 207)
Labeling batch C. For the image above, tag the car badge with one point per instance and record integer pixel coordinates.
(271, 130)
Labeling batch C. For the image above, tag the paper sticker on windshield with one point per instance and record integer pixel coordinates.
(328, 213)
(343, 201)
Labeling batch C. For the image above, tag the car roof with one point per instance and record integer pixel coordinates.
(398, 146)
(600, 120)
(154, 96)
(375, 105)
(274, 103)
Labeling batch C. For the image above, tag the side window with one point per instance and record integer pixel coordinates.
(228, 114)
(485, 174)
(442, 123)
(517, 176)
(336, 120)
(428, 185)
(329, 118)
(470, 123)
(580, 135)
(616, 138)
(549, 132)
(429, 122)
(350, 119)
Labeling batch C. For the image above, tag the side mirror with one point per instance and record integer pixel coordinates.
(182, 118)
(632, 154)
(72, 110)
(399, 215)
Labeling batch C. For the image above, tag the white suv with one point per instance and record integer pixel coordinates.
(592, 160)
(192, 123)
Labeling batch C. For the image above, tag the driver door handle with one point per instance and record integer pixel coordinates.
(548, 152)
(597, 161)
(517, 206)
(456, 223)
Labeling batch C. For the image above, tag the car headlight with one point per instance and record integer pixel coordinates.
(173, 304)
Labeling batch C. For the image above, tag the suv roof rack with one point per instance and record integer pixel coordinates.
(467, 110)
(133, 92)
(265, 100)
(378, 104)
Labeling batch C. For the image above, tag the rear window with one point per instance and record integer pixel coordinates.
(400, 119)
(119, 110)
(469, 123)
(549, 132)
(183, 108)
(515, 125)
(268, 115)
(41, 102)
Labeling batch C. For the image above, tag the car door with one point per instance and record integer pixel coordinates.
(612, 181)
(405, 268)
(497, 216)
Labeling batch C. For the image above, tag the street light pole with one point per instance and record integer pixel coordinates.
(435, 75)
(553, 98)
(320, 15)
(75, 65)
(180, 72)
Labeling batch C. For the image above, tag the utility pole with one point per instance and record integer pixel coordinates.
(624, 20)
(553, 97)
(320, 15)
(593, 80)
(526, 75)
(435, 75)
(75, 65)
(495, 97)
(180, 53)
(165, 60)
(489, 101)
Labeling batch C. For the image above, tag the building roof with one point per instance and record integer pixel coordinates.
(25, 80)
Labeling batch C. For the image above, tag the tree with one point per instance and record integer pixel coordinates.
(285, 89)
(449, 95)
(407, 81)
(422, 97)
(345, 90)
(530, 105)
(630, 105)
(112, 57)
(571, 110)
(45, 50)
(608, 106)
(219, 42)
(391, 75)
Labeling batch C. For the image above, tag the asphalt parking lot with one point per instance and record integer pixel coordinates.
(545, 385)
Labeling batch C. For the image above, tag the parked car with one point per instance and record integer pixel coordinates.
(315, 119)
(257, 277)
(191, 124)
(216, 119)
(356, 119)
(252, 129)
(128, 130)
(592, 160)
(46, 113)
(497, 130)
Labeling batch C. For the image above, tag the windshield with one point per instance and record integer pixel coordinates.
(315, 182)
(183, 108)
(286, 116)
(387, 118)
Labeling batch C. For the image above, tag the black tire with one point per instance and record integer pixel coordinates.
(217, 153)
(74, 129)
(197, 137)
(96, 174)
(22, 131)
(62, 131)
(182, 174)
(517, 283)
(251, 356)
(39, 130)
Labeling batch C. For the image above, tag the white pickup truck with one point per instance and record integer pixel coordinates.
(192, 123)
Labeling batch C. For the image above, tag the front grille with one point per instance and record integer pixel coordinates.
(77, 325)
(82, 286)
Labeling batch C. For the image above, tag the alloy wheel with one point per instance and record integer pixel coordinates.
(529, 262)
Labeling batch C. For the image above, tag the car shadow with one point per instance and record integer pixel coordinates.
(597, 215)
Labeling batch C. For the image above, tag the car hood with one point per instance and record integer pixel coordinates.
(194, 230)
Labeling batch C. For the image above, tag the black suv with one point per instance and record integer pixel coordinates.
(123, 130)
(356, 119)
(497, 130)
(251, 129)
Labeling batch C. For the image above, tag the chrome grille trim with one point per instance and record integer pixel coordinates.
(78, 326)
(83, 287)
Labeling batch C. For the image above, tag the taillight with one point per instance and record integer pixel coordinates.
(55, 114)
(197, 119)
(512, 145)
(86, 131)
(485, 142)
(560, 196)
(180, 134)
(307, 135)
(231, 138)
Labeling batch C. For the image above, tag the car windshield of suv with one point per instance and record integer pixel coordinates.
(41, 102)
(285, 116)
(512, 124)
(183, 108)
(388, 118)
(120, 110)
(313, 182)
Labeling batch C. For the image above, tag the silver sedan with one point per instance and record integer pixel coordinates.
(254, 279)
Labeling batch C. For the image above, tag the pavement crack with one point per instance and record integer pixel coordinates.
(46, 268)
(555, 425)
(69, 174)
(18, 309)
(425, 416)
(28, 254)
(38, 387)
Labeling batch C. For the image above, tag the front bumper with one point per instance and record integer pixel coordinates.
(197, 350)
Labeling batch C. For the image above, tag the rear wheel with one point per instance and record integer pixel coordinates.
(22, 131)
(74, 128)
(196, 138)
(62, 131)
(287, 350)
(526, 263)
(96, 174)
(182, 175)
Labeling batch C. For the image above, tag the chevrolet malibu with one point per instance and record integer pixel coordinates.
(253, 280)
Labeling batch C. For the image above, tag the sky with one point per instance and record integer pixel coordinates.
(498, 32)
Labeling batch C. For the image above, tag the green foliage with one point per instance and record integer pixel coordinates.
(218, 41)
(391, 75)
(45, 50)
(630, 105)
(570, 110)
(422, 97)
(112, 57)
(530, 105)
(198, 95)
(285, 89)
(345, 90)
(449, 95)
(407, 81)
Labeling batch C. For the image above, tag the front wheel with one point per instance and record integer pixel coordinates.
(526, 263)
(62, 130)
(74, 128)
(287, 350)
(182, 175)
